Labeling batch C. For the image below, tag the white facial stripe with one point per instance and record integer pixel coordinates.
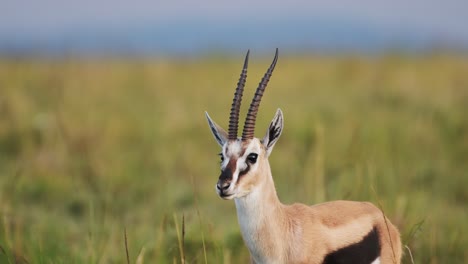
(234, 151)
(241, 162)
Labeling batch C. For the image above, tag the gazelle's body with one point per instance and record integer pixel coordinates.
(332, 232)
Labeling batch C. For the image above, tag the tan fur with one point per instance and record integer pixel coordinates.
(277, 233)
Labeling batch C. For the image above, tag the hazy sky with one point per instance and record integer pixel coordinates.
(48, 16)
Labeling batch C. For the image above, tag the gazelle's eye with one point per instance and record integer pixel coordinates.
(252, 158)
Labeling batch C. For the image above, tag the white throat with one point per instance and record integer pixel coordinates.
(257, 211)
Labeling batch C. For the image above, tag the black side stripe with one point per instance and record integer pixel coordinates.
(363, 252)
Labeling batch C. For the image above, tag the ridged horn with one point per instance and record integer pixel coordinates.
(236, 102)
(249, 126)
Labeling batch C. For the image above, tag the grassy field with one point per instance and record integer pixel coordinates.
(91, 148)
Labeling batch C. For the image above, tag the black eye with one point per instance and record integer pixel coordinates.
(252, 158)
(221, 156)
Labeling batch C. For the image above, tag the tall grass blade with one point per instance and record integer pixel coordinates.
(180, 238)
(126, 245)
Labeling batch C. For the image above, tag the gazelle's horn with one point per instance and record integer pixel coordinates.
(236, 102)
(249, 126)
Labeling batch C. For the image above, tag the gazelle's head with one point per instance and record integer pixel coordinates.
(244, 160)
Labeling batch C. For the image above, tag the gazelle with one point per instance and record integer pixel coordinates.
(331, 232)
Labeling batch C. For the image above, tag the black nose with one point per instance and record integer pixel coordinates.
(223, 186)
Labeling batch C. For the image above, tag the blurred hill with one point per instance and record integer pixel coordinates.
(190, 37)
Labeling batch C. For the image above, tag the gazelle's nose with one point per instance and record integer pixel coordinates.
(223, 185)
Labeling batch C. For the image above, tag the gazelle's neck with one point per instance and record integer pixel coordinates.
(261, 217)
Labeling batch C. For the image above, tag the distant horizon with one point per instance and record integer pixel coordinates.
(203, 36)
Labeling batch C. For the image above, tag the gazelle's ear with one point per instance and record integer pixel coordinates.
(218, 132)
(274, 131)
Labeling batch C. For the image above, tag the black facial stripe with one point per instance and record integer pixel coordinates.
(226, 174)
(245, 171)
(365, 251)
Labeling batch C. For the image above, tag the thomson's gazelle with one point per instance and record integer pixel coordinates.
(332, 232)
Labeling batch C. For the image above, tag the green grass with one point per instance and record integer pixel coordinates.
(90, 148)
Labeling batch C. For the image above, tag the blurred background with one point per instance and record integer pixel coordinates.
(105, 153)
